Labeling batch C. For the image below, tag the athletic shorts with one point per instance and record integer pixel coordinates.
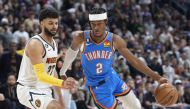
(108, 89)
(34, 98)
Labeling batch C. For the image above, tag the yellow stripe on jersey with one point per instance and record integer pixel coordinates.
(44, 77)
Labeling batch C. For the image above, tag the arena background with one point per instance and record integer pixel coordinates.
(156, 31)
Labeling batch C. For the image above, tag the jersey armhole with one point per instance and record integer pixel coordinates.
(112, 46)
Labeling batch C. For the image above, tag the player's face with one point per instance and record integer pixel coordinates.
(50, 26)
(98, 27)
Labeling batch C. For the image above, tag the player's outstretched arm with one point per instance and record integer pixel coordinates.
(120, 45)
(34, 51)
(78, 39)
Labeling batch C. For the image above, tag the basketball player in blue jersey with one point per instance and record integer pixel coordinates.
(102, 81)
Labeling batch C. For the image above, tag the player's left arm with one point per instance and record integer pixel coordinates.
(120, 45)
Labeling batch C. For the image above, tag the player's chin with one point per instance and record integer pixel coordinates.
(53, 33)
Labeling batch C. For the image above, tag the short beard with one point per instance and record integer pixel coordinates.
(51, 34)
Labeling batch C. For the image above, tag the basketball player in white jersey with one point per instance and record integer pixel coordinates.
(36, 72)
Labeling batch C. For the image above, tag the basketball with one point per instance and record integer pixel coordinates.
(166, 94)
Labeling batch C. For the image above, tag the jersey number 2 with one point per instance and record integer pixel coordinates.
(99, 68)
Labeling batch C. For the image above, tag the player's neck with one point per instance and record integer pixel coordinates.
(98, 39)
(49, 39)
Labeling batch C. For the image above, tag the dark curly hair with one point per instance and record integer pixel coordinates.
(48, 12)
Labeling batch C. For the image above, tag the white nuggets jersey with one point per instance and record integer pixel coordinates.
(27, 75)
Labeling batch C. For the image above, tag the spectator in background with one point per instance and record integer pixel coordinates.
(150, 25)
(184, 59)
(64, 40)
(139, 87)
(6, 34)
(131, 83)
(148, 97)
(21, 46)
(187, 50)
(76, 70)
(155, 65)
(127, 35)
(168, 70)
(21, 33)
(30, 21)
(165, 36)
(181, 99)
(186, 72)
(10, 61)
(59, 65)
(120, 64)
(9, 92)
(3, 103)
(179, 86)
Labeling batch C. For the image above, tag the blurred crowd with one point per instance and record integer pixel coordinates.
(156, 31)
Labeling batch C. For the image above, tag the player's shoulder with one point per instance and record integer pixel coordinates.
(34, 42)
(34, 45)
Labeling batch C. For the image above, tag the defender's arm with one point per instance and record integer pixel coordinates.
(78, 39)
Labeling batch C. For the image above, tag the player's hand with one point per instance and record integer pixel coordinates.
(64, 77)
(69, 83)
(163, 80)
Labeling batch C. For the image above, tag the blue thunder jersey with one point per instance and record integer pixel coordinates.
(97, 59)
